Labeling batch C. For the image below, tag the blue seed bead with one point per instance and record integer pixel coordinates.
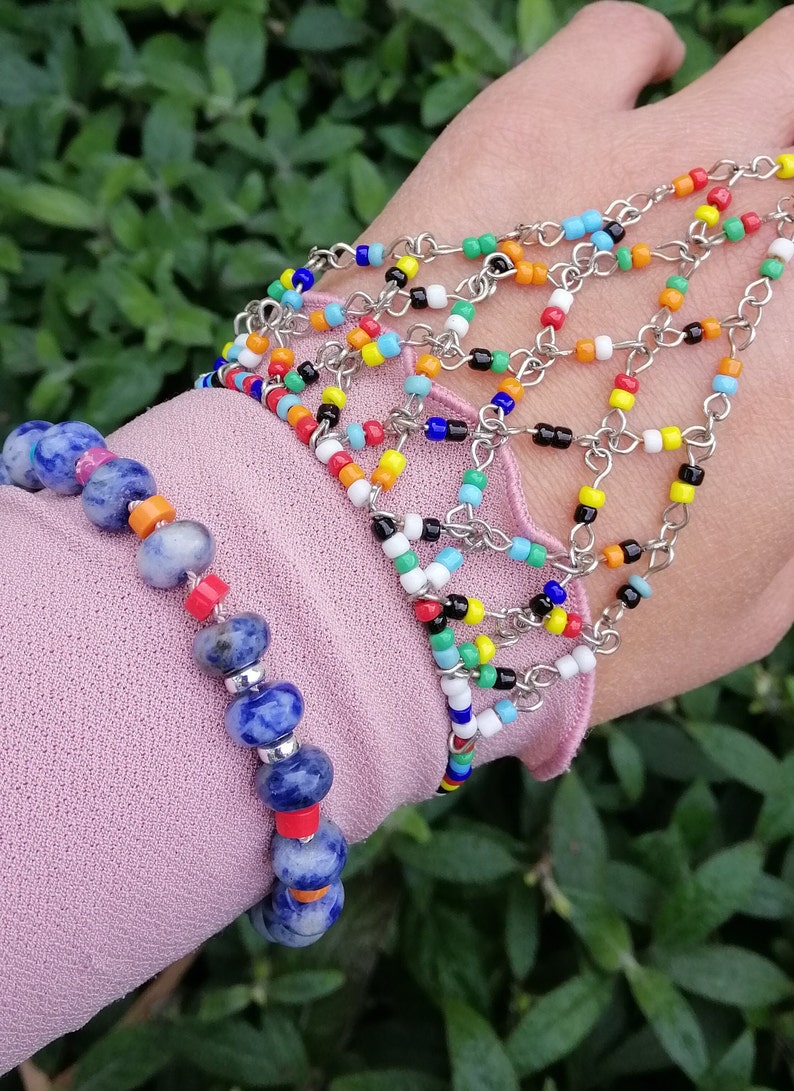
(356, 437)
(519, 550)
(168, 554)
(460, 769)
(537, 555)
(220, 362)
(503, 401)
(269, 927)
(362, 255)
(641, 586)
(446, 657)
(470, 494)
(286, 403)
(592, 220)
(296, 782)
(555, 591)
(240, 378)
(574, 228)
(111, 487)
(232, 353)
(506, 711)
(57, 451)
(313, 864)
(4, 477)
(459, 776)
(602, 240)
(230, 645)
(307, 918)
(436, 428)
(292, 299)
(451, 558)
(16, 453)
(377, 253)
(389, 344)
(303, 278)
(265, 714)
(256, 388)
(724, 384)
(459, 715)
(417, 384)
(334, 314)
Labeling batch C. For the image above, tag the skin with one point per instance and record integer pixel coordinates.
(560, 133)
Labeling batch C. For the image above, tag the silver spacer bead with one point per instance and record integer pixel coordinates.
(245, 678)
(284, 748)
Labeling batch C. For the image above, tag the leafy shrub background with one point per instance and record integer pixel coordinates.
(629, 925)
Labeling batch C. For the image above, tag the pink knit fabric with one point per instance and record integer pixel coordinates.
(129, 831)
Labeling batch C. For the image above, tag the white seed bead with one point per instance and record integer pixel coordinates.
(358, 492)
(584, 658)
(241, 338)
(466, 731)
(567, 666)
(437, 575)
(461, 700)
(652, 441)
(783, 249)
(248, 359)
(451, 685)
(436, 296)
(603, 347)
(413, 581)
(562, 299)
(412, 526)
(325, 448)
(396, 545)
(457, 323)
(488, 723)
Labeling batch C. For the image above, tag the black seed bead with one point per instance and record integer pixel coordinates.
(329, 412)
(383, 527)
(397, 275)
(216, 380)
(480, 360)
(457, 430)
(615, 230)
(431, 530)
(541, 605)
(583, 513)
(544, 434)
(632, 550)
(628, 596)
(562, 438)
(693, 475)
(418, 298)
(436, 624)
(505, 678)
(693, 333)
(456, 607)
(308, 372)
(500, 264)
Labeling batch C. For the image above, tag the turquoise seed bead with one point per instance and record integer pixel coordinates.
(623, 255)
(417, 384)
(240, 379)
(356, 437)
(641, 586)
(406, 562)
(602, 240)
(442, 640)
(592, 220)
(276, 290)
(465, 309)
(334, 314)
(680, 284)
(469, 654)
(451, 558)
(724, 384)
(471, 247)
(537, 553)
(470, 494)
(233, 352)
(574, 228)
(292, 299)
(293, 382)
(445, 658)
(733, 229)
(389, 345)
(772, 268)
(475, 477)
(285, 404)
(458, 766)
(376, 253)
(486, 676)
(519, 550)
(506, 711)
(500, 361)
(487, 243)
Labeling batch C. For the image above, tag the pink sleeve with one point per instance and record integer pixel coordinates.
(129, 831)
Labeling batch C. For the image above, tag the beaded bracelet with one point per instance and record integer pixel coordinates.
(308, 852)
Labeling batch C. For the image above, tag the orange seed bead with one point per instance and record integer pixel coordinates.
(524, 272)
(640, 255)
(319, 321)
(585, 351)
(613, 555)
(282, 355)
(671, 298)
(308, 895)
(540, 273)
(145, 516)
(383, 478)
(513, 250)
(510, 385)
(683, 185)
(296, 413)
(357, 338)
(350, 473)
(729, 365)
(711, 328)
(428, 365)
(257, 343)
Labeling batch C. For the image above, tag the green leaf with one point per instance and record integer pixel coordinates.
(671, 1017)
(770, 899)
(478, 1059)
(557, 1022)
(632, 892)
(695, 815)
(627, 762)
(168, 135)
(668, 752)
(776, 819)
(121, 384)
(10, 255)
(53, 205)
(468, 28)
(388, 1079)
(236, 42)
(303, 986)
(447, 97)
(321, 28)
(578, 843)
(701, 704)
(133, 297)
(124, 1059)
(522, 928)
(536, 21)
(454, 856)
(734, 1070)
(406, 141)
(221, 1003)
(604, 933)
(325, 141)
(51, 395)
(729, 975)
(369, 191)
(239, 1053)
(740, 755)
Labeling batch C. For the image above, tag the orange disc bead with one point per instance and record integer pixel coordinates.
(511, 386)
(257, 343)
(383, 478)
(711, 328)
(306, 896)
(671, 298)
(357, 338)
(145, 516)
(282, 355)
(585, 351)
(640, 255)
(613, 555)
(350, 473)
(319, 322)
(540, 273)
(513, 250)
(729, 365)
(524, 272)
(296, 413)
(428, 365)
(683, 185)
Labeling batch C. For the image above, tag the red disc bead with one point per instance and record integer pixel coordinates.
(373, 432)
(247, 383)
(277, 370)
(720, 197)
(370, 326)
(337, 461)
(205, 596)
(751, 221)
(627, 382)
(573, 626)
(700, 176)
(298, 823)
(228, 379)
(553, 316)
(305, 428)
(426, 609)
(274, 397)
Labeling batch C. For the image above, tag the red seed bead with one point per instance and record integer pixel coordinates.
(228, 379)
(426, 610)
(248, 382)
(627, 382)
(296, 824)
(373, 432)
(337, 461)
(720, 197)
(573, 626)
(553, 316)
(205, 596)
(370, 326)
(277, 370)
(700, 176)
(751, 221)
(305, 428)
(274, 397)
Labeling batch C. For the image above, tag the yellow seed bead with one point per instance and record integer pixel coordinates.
(475, 612)
(708, 214)
(408, 265)
(681, 492)
(671, 438)
(593, 498)
(393, 461)
(621, 399)
(286, 278)
(786, 162)
(371, 354)
(335, 396)
(556, 621)
(486, 648)
(225, 349)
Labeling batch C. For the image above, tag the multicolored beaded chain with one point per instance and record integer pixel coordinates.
(595, 253)
(308, 852)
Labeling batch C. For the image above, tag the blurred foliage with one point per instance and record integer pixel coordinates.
(629, 925)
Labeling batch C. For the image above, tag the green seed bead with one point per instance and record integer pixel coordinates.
(681, 284)
(500, 362)
(537, 555)
(445, 639)
(487, 243)
(464, 309)
(733, 229)
(276, 290)
(471, 247)
(486, 676)
(623, 254)
(475, 477)
(406, 562)
(463, 759)
(470, 655)
(293, 382)
(772, 268)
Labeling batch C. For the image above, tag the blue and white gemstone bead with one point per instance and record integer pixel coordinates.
(168, 554)
(111, 488)
(56, 453)
(16, 453)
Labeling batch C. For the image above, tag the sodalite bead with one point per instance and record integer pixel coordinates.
(4, 476)
(313, 864)
(111, 487)
(232, 644)
(260, 717)
(168, 554)
(58, 450)
(16, 453)
(307, 918)
(270, 928)
(296, 782)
